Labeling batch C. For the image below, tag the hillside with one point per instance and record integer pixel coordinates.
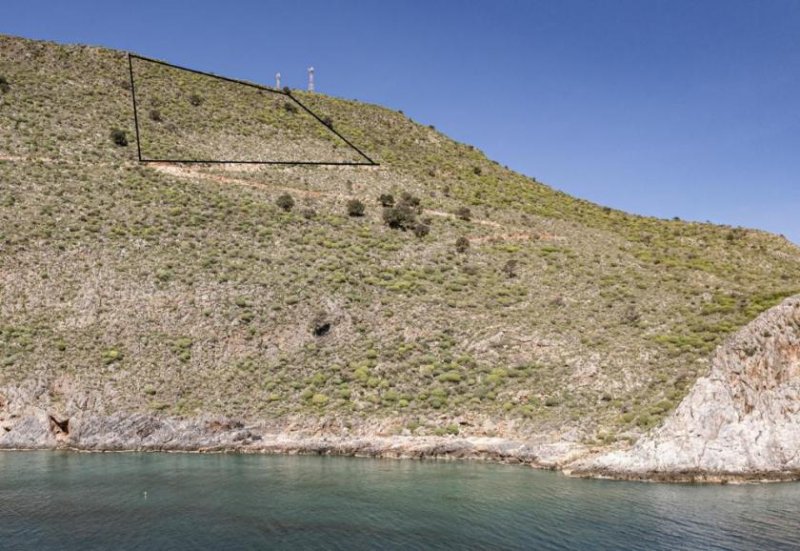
(185, 291)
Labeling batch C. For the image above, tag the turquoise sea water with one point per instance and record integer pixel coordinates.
(54, 500)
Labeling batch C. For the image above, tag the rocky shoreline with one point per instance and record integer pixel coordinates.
(740, 423)
(147, 433)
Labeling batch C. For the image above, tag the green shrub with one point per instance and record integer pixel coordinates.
(4, 85)
(183, 348)
(400, 217)
(319, 400)
(290, 107)
(285, 202)
(355, 207)
(510, 268)
(112, 355)
(464, 213)
(646, 421)
(164, 274)
(410, 201)
(386, 200)
(195, 100)
(451, 376)
(361, 374)
(119, 137)
(437, 402)
(183, 343)
(462, 244)
(421, 230)
(155, 115)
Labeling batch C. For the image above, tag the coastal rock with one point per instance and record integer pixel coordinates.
(33, 428)
(741, 421)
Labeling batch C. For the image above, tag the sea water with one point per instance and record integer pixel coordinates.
(77, 501)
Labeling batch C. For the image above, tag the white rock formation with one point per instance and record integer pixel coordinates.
(742, 421)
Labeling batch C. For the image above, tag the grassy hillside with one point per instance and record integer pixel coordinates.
(187, 289)
(188, 116)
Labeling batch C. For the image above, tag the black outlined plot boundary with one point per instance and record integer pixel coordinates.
(282, 93)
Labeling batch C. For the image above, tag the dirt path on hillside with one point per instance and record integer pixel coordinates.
(186, 172)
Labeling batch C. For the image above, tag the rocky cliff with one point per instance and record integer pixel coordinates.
(742, 421)
(30, 418)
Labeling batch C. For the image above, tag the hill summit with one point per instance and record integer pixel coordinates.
(438, 297)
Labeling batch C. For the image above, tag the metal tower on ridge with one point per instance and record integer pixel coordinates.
(277, 81)
(311, 79)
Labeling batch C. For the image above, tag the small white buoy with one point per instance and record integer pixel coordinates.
(145, 494)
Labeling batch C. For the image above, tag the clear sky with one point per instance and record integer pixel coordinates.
(668, 108)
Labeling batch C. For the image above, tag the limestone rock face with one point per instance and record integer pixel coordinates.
(31, 419)
(741, 421)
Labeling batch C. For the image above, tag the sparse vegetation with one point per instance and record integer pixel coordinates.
(463, 213)
(510, 268)
(285, 202)
(421, 230)
(119, 137)
(401, 217)
(112, 355)
(355, 208)
(410, 201)
(462, 244)
(191, 280)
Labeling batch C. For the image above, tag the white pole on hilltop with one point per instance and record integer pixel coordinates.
(278, 81)
(311, 79)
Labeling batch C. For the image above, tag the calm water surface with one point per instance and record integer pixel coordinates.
(52, 500)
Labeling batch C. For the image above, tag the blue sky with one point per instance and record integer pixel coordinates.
(667, 108)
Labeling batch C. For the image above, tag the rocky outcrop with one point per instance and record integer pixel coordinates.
(31, 419)
(741, 422)
(142, 432)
